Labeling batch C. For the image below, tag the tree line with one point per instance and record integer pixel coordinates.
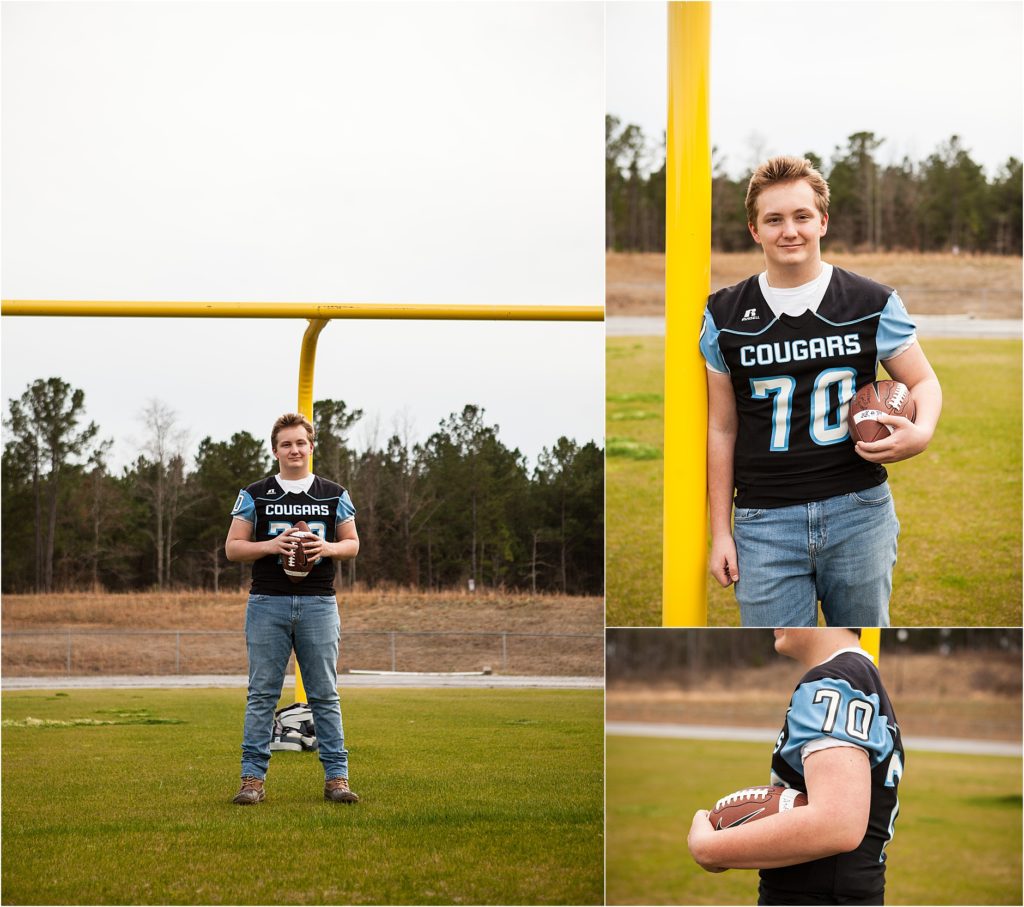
(942, 203)
(461, 509)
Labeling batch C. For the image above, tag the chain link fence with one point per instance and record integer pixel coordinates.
(38, 653)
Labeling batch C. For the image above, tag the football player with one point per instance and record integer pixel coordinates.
(799, 512)
(840, 745)
(282, 614)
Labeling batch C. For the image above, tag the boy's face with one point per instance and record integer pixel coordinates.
(293, 450)
(789, 225)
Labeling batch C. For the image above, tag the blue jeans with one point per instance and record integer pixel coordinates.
(840, 551)
(274, 625)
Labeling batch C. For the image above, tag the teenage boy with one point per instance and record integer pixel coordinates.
(786, 350)
(841, 746)
(281, 614)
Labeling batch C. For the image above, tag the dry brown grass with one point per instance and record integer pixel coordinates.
(986, 286)
(969, 694)
(393, 610)
(46, 654)
(221, 648)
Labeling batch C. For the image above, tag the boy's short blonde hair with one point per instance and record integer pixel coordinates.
(290, 420)
(785, 169)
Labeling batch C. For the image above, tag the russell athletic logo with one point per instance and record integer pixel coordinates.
(750, 315)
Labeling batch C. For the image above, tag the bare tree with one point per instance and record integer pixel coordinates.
(163, 448)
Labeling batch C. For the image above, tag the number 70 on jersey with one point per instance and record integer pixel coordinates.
(828, 407)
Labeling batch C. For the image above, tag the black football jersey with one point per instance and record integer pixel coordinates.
(841, 700)
(272, 510)
(794, 377)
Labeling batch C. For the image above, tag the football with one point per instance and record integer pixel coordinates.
(889, 397)
(754, 803)
(296, 564)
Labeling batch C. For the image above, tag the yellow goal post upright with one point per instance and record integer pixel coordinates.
(687, 283)
(871, 641)
(317, 315)
(307, 364)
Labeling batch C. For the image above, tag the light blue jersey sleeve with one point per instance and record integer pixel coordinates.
(830, 707)
(896, 331)
(346, 509)
(709, 344)
(245, 507)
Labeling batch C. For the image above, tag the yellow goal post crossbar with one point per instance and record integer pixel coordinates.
(326, 310)
(317, 314)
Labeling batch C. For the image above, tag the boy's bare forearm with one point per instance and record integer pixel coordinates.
(243, 551)
(721, 448)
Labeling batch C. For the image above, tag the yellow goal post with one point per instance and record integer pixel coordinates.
(316, 313)
(687, 283)
(871, 641)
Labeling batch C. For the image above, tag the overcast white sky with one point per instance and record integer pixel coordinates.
(366, 152)
(797, 76)
(404, 152)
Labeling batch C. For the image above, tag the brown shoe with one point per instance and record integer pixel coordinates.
(336, 789)
(251, 791)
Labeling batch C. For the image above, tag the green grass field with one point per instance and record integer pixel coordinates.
(468, 796)
(959, 503)
(958, 837)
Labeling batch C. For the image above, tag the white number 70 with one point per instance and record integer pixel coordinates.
(859, 714)
(827, 426)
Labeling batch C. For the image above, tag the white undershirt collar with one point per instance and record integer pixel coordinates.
(296, 486)
(795, 301)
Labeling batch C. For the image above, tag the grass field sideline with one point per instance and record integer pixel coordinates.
(485, 797)
(957, 841)
(959, 503)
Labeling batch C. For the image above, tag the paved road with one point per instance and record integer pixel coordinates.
(346, 681)
(959, 326)
(763, 735)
